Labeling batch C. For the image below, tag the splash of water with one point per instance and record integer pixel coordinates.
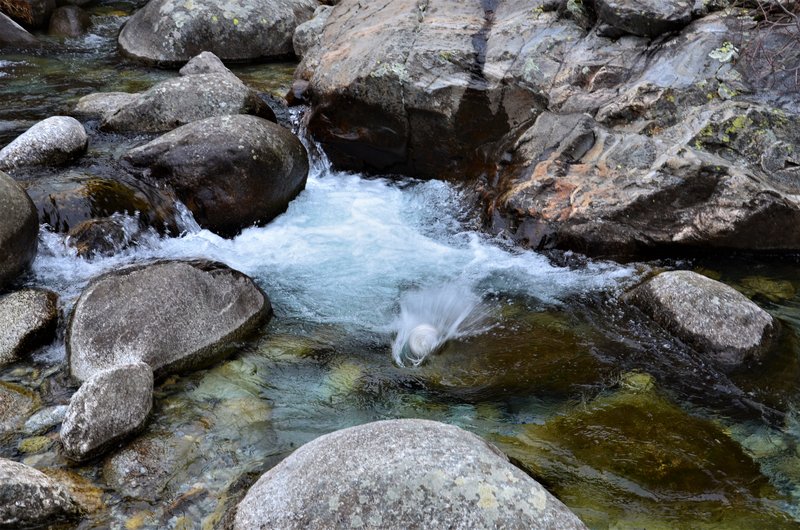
(432, 316)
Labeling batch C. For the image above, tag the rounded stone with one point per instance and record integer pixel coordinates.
(19, 230)
(69, 21)
(28, 319)
(400, 474)
(53, 141)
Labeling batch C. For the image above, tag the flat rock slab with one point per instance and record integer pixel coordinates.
(713, 318)
(28, 319)
(647, 18)
(400, 474)
(173, 315)
(29, 498)
(108, 407)
(53, 141)
(19, 230)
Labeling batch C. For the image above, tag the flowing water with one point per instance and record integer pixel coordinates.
(535, 353)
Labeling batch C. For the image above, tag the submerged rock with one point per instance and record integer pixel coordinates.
(648, 18)
(28, 319)
(634, 459)
(232, 172)
(29, 498)
(714, 319)
(173, 315)
(19, 230)
(168, 32)
(16, 404)
(69, 21)
(308, 34)
(110, 406)
(104, 236)
(46, 418)
(53, 141)
(399, 474)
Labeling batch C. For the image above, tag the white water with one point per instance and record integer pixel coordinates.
(349, 249)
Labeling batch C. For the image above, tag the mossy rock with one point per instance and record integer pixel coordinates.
(634, 459)
(776, 291)
(542, 354)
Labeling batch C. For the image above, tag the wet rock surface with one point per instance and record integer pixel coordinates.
(16, 404)
(169, 32)
(400, 474)
(231, 172)
(28, 318)
(715, 319)
(175, 316)
(53, 141)
(29, 498)
(19, 229)
(109, 406)
(69, 21)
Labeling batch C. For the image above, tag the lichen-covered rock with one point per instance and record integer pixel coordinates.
(29, 498)
(28, 318)
(53, 141)
(12, 34)
(19, 230)
(232, 172)
(715, 319)
(400, 474)
(175, 102)
(648, 18)
(109, 406)
(173, 315)
(170, 32)
(69, 21)
(307, 34)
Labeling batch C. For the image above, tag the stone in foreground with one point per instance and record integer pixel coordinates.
(107, 408)
(173, 315)
(400, 474)
(19, 230)
(29, 498)
(53, 141)
(28, 319)
(713, 318)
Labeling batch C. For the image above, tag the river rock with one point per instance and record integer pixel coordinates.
(65, 201)
(16, 404)
(28, 319)
(204, 63)
(400, 474)
(231, 171)
(110, 406)
(170, 32)
(103, 104)
(175, 102)
(715, 319)
(12, 34)
(53, 141)
(174, 315)
(46, 418)
(308, 33)
(69, 21)
(19, 230)
(648, 18)
(29, 498)
(104, 236)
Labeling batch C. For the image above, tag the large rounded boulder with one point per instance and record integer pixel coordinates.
(400, 474)
(170, 32)
(53, 141)
(173, 315)
(231, 171)
(19, 230)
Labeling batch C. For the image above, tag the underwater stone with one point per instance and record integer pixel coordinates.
(53, 141)
(45, 418)
(173, 315)
(19, 230)
(16, 404)
(400, 474)
(715, 319)
(109, 406)
(30, 498)
(28, 319)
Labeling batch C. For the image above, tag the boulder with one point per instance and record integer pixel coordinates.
(716, 320)
(69, 21)
(12, 34)
(110, 406)
(175, 102)
(648, 18)
(67, 200)
(170, 32)
(30, 498)
(28, 319)
(54, 141)
(173, 315)
(230, 171)
(307, 34)
(400, 474)
(19, 230)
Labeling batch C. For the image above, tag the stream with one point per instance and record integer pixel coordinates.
(625, 424)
